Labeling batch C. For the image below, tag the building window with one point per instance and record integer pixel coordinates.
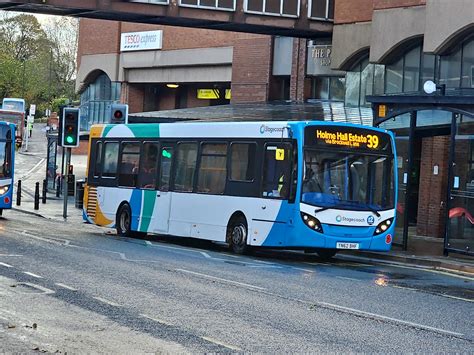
(286, 8)
(328, 88)
(321, 9)
(224, 5)
(95, 100)
(364, 79)
(457, 68)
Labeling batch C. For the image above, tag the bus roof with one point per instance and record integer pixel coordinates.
(274, 111)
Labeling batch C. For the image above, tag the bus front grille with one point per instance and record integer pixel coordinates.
(92, 202)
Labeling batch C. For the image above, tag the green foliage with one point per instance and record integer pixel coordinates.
(37, 62)
(59, 102)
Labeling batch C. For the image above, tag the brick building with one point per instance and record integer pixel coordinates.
(389, 49)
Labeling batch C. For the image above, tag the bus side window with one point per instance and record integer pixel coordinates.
(186, 157)
(148, 173)
(110, 159)
(242, 161)
(129, 164)
(212, 173)
(276, 171)
(165, 168)
(98, 159)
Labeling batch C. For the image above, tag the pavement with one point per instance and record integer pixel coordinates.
(31, 168)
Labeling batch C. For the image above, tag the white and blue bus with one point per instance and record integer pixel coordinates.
(317, 186)
(7, 159)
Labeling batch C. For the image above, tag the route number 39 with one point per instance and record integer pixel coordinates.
(373, 141)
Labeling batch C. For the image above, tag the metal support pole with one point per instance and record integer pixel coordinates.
(18, 194)
(58, 185)
(37, 195)
(65, 182)
(43, 199)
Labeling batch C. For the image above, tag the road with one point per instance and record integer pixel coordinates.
(72, 287)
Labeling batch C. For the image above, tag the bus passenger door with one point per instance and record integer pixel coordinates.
(273, 211)
(163, 195)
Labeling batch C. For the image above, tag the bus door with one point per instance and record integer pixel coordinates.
(273, 211)
(163, 195)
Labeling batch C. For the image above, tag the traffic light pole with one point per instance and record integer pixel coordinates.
(66, 180)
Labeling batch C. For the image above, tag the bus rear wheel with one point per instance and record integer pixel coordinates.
(124, 221)
(326, 254)
(237, 235)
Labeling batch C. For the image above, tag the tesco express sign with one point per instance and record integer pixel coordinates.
(139, 41)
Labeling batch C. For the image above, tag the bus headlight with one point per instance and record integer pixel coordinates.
(312, 222)
(4, 189)
(383, 226)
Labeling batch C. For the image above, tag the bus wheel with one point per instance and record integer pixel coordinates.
(238, 232)
(326, 254)
(124, 221)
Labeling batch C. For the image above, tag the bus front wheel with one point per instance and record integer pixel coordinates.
(238, 232)
(124, 221)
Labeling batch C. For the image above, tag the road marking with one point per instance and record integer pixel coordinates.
(6, 265)
(9, 255)
(110, 303)
(33, 168)
(217, 342)
(65, 286)
(206, 255)
(45, 290)
(405, 288)
(33, 275)
(316, 263)
(301, 269)
(147, 242)
(346, 278)
(375, 316)
(220, 279)
(454, 297)
(48, 240)
(435, 294)
(157, 320)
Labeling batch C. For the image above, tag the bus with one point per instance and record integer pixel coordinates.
(316, 186)
(7, 159)
(13, 104)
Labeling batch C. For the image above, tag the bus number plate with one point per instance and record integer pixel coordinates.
(347, 245)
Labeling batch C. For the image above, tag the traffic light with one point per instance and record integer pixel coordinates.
(70, 127)
(119, 113)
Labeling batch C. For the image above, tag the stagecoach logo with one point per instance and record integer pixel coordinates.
(340, 218)
(370, 220)
(264, 128)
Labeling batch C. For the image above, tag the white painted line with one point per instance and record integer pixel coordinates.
(455, 297)
(301, 269)
(346, 278)
(157, 320)
(6, 265)
(206, 255)
(221, 279)
(147, 242)
(405, 288)
(33, 168)
(316, 263)
(110, 303)
(45, 290)
(65, 286)
(9, 255)
(231, 347)
(389, 319)
(34, 275)
(436, 294)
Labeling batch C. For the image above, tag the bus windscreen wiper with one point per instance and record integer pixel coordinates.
(371, 209)
(321, 209)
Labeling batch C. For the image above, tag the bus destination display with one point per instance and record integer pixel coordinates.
(347, 137)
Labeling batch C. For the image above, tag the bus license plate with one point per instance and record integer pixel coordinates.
(347, 245)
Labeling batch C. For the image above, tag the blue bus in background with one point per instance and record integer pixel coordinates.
(7, 161)
(13, 104)
(316, 186)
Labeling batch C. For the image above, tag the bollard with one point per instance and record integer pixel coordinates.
(58, 186)
(18, 194)
(43, 197)
(37, 195)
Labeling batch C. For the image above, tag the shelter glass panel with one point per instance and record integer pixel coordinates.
(461, 206)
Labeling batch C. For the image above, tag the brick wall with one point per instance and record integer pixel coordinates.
(298, 70)
(350, 11)
(430, 220)
(251, 69)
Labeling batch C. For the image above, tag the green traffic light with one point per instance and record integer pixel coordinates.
(166, 154)
(69, 139)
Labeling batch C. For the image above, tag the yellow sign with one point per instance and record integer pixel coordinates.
(280, 154)
(351, 140)
(208, 94)
(228, 94)
(382, 111)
